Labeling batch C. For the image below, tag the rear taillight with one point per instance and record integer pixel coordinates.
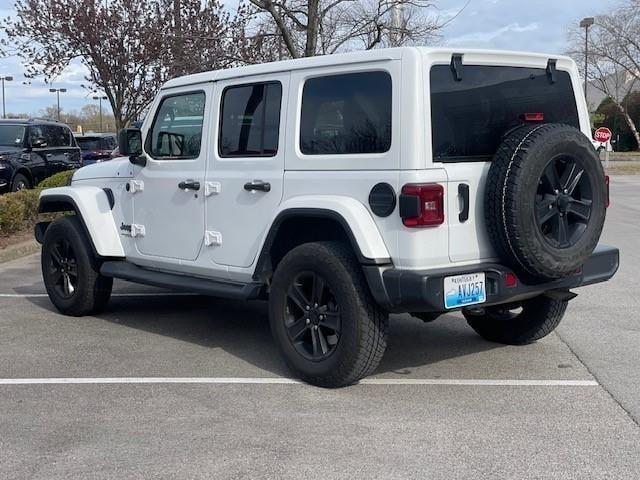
(532, 117)
(606, 182)
(422, 205)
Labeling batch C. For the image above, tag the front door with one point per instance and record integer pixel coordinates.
(168, 200)
(245, 176)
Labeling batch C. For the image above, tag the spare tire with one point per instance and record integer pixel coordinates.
(545, 200)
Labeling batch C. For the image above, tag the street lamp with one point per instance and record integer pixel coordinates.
(57, 91)
(586, 23)
(100, 98)
(8, 79)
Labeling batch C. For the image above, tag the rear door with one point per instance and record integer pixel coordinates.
(469, 119)
(246, 168)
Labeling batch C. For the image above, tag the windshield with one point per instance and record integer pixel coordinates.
(88, 143)
(11, 135)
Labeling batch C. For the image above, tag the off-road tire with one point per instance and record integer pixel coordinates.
(93, 290)
(20, 182)
(511, 196)
(363, 336)
(537, 319)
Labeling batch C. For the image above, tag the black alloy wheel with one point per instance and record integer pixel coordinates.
(312, 317)
(563, 202)
(63, 268)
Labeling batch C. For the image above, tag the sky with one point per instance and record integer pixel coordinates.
(530, 25)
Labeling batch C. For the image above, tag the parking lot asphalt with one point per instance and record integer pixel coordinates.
(444, 403)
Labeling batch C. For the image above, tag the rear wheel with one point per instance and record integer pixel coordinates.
(323, 317)
(69, 270)
(20, 182)
(517, 323)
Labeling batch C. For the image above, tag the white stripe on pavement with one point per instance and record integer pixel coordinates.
(140, 294)
(288, 381)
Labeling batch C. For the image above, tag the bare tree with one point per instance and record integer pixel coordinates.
(313, 27)
(613, 62)
(129, 47)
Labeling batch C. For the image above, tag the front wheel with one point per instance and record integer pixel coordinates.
(69, 270)
(328, 327)
(517, 324)
(20, 182)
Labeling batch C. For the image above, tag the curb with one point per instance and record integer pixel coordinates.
(18, 250)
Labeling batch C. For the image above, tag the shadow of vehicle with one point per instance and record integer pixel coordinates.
(241, 329)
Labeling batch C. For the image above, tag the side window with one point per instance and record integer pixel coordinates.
(65, 136)
(346, 114)
(250, 120)
(35, 132)
(176, 132)
(55, 136)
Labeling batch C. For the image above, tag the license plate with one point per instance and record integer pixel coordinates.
(463, 290)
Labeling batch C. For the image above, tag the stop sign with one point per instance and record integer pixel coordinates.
(602, 135)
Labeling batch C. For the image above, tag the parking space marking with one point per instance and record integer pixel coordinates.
(291, 381)
(140, 294)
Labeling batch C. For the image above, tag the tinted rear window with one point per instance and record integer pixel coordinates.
(470, 117)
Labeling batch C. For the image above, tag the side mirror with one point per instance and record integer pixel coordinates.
(130, 145)
(39, 142)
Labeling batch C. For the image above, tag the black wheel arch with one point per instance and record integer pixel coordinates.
(295, 226)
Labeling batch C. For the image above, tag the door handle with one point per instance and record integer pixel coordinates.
(189, 185)
(463, 191)
(257, 185)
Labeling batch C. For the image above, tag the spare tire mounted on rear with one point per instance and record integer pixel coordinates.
(545, 200)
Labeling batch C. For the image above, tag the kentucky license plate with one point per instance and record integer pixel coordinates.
(463, 290)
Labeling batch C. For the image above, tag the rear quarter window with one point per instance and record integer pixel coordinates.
(470, 117)
(346, 114)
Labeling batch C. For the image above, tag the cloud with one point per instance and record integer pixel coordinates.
(476, 39)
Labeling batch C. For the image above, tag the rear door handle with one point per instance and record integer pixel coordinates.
(189, 185)
(257, 185)
(463, 191)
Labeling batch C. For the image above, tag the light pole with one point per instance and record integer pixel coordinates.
(57, 91)
(586, 23)
(100, 98)
(8, 79)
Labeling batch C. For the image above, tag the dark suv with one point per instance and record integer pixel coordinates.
(96, 147)
(32, 150)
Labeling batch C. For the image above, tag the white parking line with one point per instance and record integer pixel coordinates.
(288, 381)
(141, 294)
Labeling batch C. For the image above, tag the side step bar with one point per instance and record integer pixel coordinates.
(133, 273)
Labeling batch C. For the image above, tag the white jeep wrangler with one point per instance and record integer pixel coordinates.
(342, 188)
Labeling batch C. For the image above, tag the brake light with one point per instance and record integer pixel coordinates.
(533, 117)
(606, 182)
(510, 279)
(422, 205)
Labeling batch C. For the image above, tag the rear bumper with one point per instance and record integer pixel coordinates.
(422, 290)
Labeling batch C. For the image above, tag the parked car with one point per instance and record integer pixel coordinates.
(32, 150)
(96, 147)
(343, 188)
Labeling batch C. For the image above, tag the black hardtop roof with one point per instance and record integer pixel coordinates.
(31, 121)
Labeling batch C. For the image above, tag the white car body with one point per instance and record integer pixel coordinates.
(175, 222)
